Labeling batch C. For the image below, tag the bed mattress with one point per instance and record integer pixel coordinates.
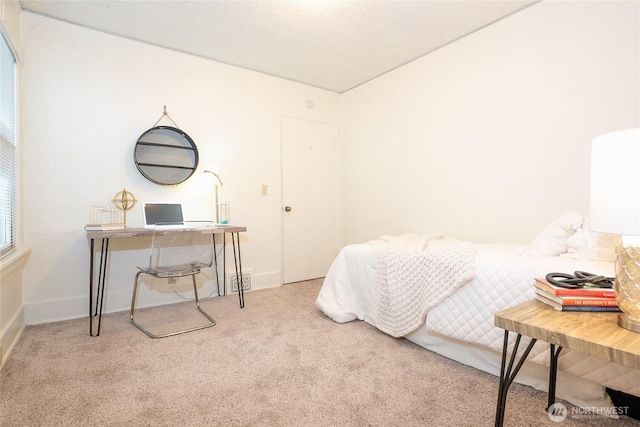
(504, 277)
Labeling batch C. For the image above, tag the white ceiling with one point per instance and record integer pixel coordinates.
(334, 45)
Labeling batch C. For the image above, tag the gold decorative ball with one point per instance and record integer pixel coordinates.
(124, 200)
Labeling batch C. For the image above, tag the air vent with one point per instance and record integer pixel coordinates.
(232, 279)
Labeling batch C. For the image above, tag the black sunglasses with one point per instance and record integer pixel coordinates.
(580, 279)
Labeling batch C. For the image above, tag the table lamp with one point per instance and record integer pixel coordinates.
(217, 184)
(615, 208)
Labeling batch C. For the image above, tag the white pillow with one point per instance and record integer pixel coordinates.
(552, 241)
(588, 245)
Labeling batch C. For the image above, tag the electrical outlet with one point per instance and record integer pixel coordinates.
(265, 190)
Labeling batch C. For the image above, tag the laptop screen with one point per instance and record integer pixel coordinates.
(162, 212)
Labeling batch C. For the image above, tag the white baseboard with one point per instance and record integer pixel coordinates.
(12, 312)
(115, 301)
(11, 334)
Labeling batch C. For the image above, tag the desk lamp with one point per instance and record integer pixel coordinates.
(615, 208)
(217, 184)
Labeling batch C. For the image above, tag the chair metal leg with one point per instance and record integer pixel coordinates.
(134, 295)
(195, 292)
(152, 335)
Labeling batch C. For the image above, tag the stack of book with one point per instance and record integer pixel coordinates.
(576, 299)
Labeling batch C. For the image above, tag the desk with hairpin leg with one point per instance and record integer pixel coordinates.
(594, 333)
(97, 284)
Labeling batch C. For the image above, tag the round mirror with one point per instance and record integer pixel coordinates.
(166, 155)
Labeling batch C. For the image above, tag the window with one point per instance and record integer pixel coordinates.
(8, 147)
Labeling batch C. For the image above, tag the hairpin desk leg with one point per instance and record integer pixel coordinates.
(238, 263)
(224, 263)
(215, 263)
(102, 277)
(91, 262)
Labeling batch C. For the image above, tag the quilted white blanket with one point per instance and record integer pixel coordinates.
(414, 274)
(504, 277)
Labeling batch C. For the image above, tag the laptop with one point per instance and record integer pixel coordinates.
(166, 216)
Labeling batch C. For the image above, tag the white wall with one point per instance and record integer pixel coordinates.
(87, 98)
(489, 138)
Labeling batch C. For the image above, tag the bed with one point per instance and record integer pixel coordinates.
(457, 321)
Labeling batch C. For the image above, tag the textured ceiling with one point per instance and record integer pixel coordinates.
(335, 45)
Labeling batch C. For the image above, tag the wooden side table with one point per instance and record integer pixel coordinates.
(593, 333)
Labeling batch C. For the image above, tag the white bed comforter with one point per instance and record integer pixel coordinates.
(503, 278)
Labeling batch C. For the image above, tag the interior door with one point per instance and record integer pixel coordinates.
(310, 235)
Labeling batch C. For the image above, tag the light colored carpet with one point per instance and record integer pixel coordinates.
(277, 362)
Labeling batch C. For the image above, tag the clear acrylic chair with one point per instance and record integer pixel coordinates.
(174, 254)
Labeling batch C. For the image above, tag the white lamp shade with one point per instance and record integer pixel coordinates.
(615, 183)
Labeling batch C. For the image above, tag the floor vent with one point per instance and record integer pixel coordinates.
(233, 281)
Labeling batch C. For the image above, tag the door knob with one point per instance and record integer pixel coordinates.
(287, 208)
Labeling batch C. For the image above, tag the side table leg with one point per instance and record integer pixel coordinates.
(509, 374)
(553, 373)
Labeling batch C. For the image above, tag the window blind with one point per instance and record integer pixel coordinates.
(8, 147)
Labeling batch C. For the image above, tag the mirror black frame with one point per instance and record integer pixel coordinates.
(166, 155)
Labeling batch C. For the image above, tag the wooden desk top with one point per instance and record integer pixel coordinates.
(141, 232)
(593, 333)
